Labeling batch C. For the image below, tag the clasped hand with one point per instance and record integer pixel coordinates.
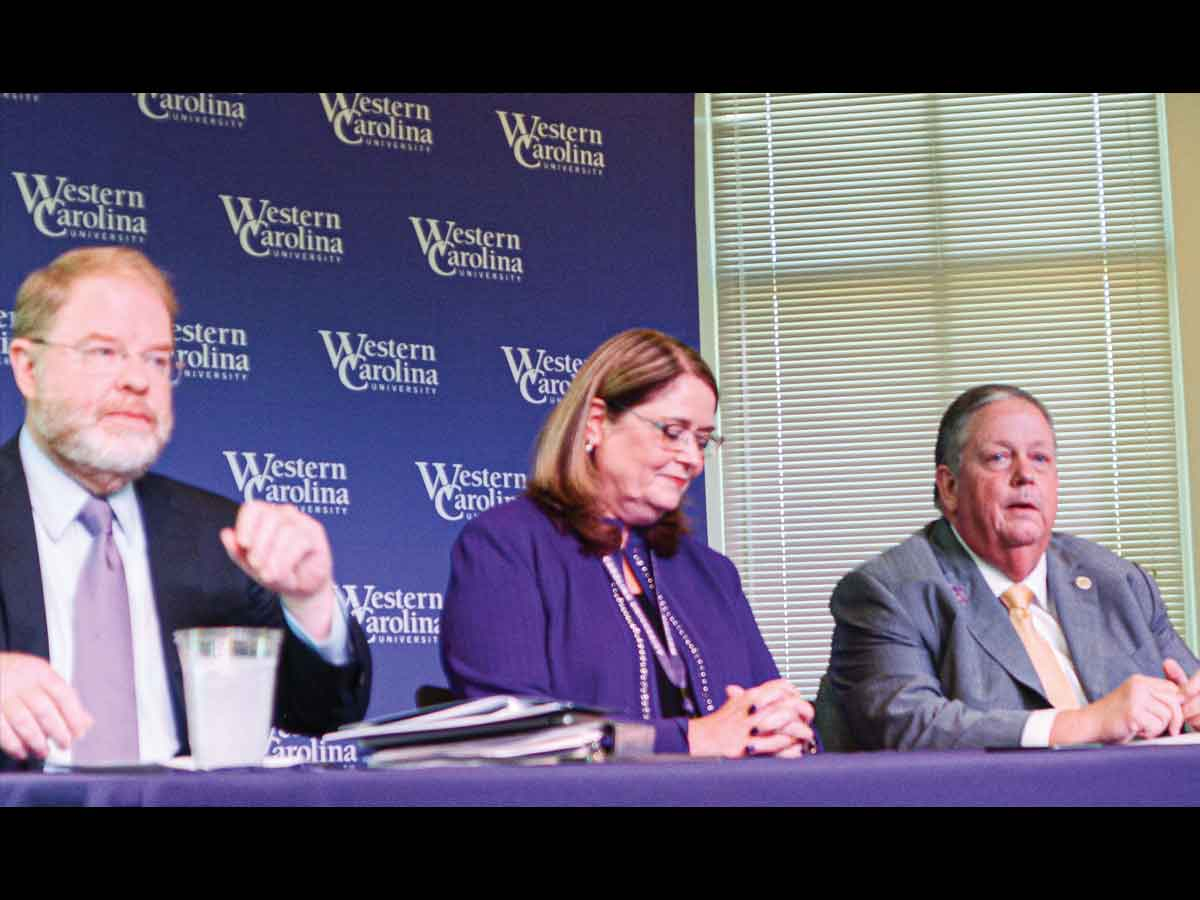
(771, 719)
(1145, 707)
(1142, 707)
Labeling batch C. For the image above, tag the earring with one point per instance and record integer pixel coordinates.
(589, 447)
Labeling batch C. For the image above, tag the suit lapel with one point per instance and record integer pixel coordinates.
(24, 605)
(1077, 604)
(983, 613)
(167, 548)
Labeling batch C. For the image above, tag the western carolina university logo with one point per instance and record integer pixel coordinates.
(363, 363)
(541, 377)
(317, 487)
(361, 120)
(212, 352)
(394, 615)
(455, 250)
(556, 146)
(460, 493)
(284, 232)
(302, 748)
(92, 212)
(195, 109)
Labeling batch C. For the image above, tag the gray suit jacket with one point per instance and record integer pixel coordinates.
(924, 655)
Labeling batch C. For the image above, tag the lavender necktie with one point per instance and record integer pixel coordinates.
(103, 673)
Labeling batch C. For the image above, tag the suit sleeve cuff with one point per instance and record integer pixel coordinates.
(335, 649)
(1036, 732)
(670, 736)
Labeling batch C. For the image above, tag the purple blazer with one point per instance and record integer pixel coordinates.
(527, 612)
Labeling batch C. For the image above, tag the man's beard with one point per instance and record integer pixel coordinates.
(90, 447)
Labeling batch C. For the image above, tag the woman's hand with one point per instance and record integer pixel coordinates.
(771, 719)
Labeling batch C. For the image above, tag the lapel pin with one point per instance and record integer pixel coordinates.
(1083, 582)
(960, 593)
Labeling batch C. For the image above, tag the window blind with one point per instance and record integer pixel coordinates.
(875, 255)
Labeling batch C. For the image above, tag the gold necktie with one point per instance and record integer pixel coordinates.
(1058, 688)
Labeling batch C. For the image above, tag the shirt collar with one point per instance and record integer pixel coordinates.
(999, 582)
(57, 498)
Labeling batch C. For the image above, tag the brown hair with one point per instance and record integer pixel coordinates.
(624, 371)
(44, 291)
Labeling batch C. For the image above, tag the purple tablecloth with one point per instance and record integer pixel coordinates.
(1114, 775)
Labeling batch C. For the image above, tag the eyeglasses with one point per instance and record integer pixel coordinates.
(673, 433)
(106, 360)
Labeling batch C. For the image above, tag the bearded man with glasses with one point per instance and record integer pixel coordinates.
(93, 356)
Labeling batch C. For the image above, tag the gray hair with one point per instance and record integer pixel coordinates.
(952, 433)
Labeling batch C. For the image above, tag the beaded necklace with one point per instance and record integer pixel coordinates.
(669, 657)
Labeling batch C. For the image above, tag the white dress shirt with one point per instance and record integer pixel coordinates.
(63, 544)
(1036, 732)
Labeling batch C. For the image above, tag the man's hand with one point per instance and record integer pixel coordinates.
(1141, 707)
(1190, 689)
(287, 552)
(37, 706)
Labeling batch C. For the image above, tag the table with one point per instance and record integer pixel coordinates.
(1158, 776)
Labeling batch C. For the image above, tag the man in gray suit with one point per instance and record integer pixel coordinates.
(937, 645)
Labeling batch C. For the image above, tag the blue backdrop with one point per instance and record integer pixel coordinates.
(382, 295)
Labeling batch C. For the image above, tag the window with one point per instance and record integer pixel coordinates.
(873, 255)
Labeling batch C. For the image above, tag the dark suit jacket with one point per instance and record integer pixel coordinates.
(195, 585)
(924, 654)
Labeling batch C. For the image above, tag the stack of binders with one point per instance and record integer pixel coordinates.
(497, 729)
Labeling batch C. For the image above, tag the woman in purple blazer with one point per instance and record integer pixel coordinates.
(590, 589)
